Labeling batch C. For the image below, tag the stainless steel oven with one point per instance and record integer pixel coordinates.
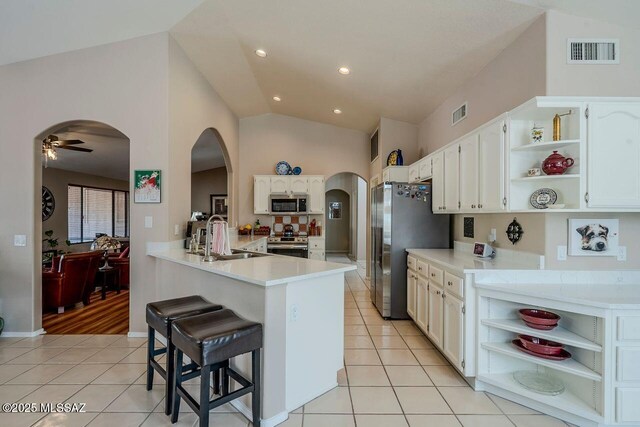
(286, 206)
(289, 246)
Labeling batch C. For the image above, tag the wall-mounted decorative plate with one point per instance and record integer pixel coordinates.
(514, 231)
(542, 198)
(283, 168)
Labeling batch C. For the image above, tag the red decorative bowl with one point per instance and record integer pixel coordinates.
(539, 345)
(540, 327)
(539, 317)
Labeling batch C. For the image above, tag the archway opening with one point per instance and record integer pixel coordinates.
(85, 226)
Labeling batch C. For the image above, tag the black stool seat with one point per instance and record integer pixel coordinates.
(161, 314)
(217, 336)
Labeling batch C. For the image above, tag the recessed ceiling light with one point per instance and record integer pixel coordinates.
(344, 70)
(337, 111)
(261, 53)
(277, 98)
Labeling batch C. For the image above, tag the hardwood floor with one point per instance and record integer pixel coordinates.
(110, 316)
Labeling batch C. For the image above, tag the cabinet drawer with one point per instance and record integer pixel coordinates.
(627, 408)
(412, 263)
(435, 275)
(316, 244)
(423, 268)
(454, 284)
(628, 364)
(629, 328)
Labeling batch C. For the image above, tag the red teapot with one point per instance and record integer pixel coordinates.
(556, 164)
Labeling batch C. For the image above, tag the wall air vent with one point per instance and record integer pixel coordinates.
(459, 114)
(593, 51)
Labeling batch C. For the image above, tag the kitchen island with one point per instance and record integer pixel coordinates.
(300, 303)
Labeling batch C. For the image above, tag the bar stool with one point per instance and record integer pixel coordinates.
(210, 340)
(160, 316)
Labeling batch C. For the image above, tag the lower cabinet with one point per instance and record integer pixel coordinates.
(412, 280)
(453, 322)
(435, 328)
(422, 305)
(316, 254)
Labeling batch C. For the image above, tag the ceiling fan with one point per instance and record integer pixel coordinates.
(51, 143)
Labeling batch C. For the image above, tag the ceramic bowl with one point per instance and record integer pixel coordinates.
(539, 345)
(539, 317)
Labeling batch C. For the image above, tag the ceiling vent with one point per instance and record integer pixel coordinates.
(593, 51)
(459, 114)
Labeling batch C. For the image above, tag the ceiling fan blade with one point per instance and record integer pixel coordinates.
(64, 142)
(84, 150)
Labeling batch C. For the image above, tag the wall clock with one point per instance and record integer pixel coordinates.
(48, 203)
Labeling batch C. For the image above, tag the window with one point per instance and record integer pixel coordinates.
(93, 211)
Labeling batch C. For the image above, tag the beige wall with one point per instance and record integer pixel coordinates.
(590, 80)
(392, 135)
(205, 183)
(57, 181)
(513, 77)
(319, 149)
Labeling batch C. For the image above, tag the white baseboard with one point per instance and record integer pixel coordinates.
(137, 334)
(23, 334)
(270, 422)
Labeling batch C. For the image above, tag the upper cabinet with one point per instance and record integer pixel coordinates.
(491, 170)
(421, 170)
(469, 173)
(451, 179)
(299, 184)
(613, 177)
(261, 191)
(316, 195)
(288, 185)
(437, 182)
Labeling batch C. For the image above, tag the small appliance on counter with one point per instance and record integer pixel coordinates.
(483, 250)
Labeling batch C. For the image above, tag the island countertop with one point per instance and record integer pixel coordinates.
(264, 271)
(463, 262)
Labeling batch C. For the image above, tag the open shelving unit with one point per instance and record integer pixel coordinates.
(525, 154)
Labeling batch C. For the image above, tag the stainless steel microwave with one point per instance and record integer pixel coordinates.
(290, 206)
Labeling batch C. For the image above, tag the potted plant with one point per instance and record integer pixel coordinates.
(50, 244)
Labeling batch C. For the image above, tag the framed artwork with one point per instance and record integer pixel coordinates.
(335, 210)
(593, 237)
(219, 204)
(147, 185)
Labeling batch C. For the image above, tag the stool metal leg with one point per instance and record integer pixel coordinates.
(255, 395)
(170, 376)
(151, 337)
(177, 383)
(205, 378)
(225, 379)
(216, 381)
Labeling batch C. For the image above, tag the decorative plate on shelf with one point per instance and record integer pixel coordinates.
(297, 170)
(283, 168)
(392, 159)
(540, 199)
(539, 382)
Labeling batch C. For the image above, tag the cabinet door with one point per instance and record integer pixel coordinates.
(411, 294)
(491, 167)
(468, 173)
(614, 155)
(414, 172)
(451, 179)
(424, 168)
(315, 203)
(386, 175)
(422, 304)
(437, 183)
(280, 184)
(261, 189)
(299, 184)
(317, 254)
(453, 320)
(435, 314)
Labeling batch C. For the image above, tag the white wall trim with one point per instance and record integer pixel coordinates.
(137, 335)
(23, 334)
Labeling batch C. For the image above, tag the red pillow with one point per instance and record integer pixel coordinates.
(125, 253)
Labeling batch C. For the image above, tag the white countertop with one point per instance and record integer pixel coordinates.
(264, 271)
(464, 262)
(612, 296)
(238, 242)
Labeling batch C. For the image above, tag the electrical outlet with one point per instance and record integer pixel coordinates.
(622, 253)
(148, 222)
(20, 240)
(294, 314)
(562, 253)
(492, 235)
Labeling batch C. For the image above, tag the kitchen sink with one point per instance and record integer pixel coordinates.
(235, 254)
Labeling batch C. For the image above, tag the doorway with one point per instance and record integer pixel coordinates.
(338, 222)
(209, 176)
(85, 228)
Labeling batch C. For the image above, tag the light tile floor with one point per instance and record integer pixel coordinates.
(393, 377)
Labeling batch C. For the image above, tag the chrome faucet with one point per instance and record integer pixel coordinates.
(207, 241)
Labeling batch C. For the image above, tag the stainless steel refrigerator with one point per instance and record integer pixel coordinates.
(401, 218)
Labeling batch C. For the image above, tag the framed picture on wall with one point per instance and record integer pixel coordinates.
(593, 237)
(219, 205)
(147, 186)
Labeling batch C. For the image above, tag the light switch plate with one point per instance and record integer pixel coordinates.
(622, 253)
(562, 253)
(20, 240)
(148, 222)
(176, 230)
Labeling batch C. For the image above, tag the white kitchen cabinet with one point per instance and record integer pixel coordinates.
(422, 304)
(451, 178)
(280, 184)
(424, 168)
(453, 329)
(315, 203)
(299, 184)
(468, 173)
(396, 174)
(613, 175)
(261, 191)
(491, 164)
(412, 282)
(437, 183)
(435, 311)
(318, 254)
(414, 172)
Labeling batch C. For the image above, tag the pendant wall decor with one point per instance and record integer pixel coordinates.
(514, 231)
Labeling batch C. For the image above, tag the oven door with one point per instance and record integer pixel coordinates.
(299, 251)
(284, 206)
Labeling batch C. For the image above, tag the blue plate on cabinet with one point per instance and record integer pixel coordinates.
(297, 170)
(283, 168)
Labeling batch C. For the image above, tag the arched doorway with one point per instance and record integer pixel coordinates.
(338, 239)
(84, 180)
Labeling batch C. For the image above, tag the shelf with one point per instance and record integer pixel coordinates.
(566, 401)
(569, 366)
(558, 334)
(545, 146)
(547, 177)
